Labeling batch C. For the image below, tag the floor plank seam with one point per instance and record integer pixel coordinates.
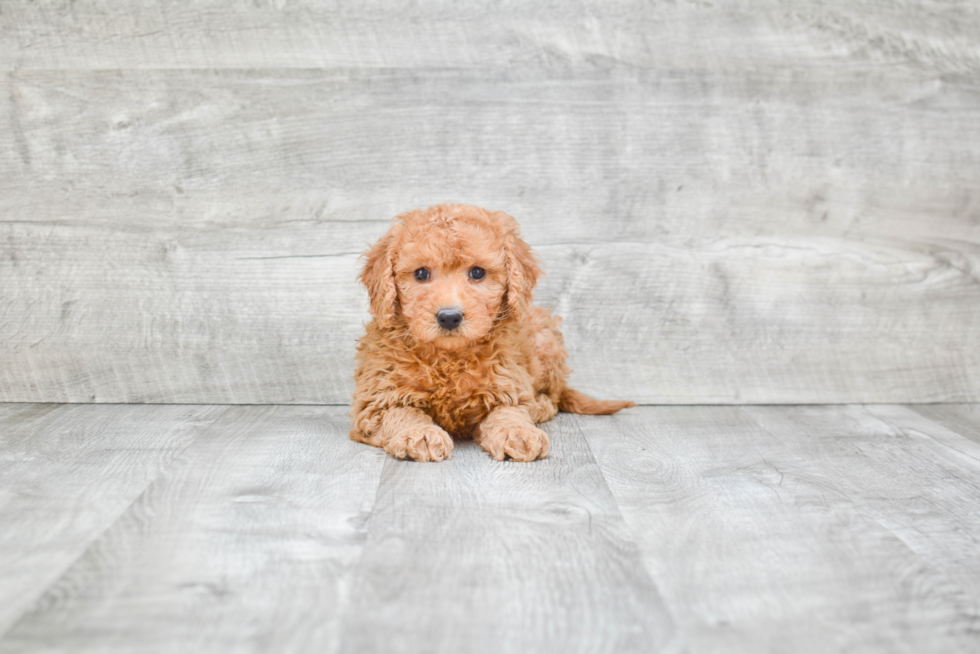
(357, 566)
(634, 541)
(109, 525)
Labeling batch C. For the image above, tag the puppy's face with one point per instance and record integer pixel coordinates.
(451, 279)
(452, 272)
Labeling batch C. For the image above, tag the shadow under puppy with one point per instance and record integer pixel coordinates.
(455, 347)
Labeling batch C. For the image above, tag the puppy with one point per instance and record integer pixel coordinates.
(455, 347)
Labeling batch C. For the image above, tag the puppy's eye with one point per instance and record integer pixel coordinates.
(422, 274)
(477, 273)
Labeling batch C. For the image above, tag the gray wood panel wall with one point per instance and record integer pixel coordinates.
(734, 202)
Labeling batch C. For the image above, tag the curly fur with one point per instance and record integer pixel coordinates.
(494, 377)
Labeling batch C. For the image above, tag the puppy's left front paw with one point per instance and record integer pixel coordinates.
(518, 441)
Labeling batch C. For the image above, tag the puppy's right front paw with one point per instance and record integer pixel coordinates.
(422, 443)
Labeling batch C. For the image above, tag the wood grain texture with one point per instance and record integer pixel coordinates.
(911, 477)
(219, 216)
(963, 419)
(246, 543)
(475, 555)
(736, 202)
(959, 437)
(680, 529)
(769, 320)
(309, 34)
(732, 320)
(649, 155)
(765, 537)
(67, 473)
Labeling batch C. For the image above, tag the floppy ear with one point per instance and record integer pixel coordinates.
(522, 272)
(379, 278)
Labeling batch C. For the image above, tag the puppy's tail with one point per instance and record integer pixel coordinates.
(573, 401)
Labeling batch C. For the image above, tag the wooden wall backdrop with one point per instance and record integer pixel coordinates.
(749, 201)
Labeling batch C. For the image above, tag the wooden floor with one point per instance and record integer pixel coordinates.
(176, 528)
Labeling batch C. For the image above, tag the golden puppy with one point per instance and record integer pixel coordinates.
(455, 347)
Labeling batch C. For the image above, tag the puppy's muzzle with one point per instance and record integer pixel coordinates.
(449, 318)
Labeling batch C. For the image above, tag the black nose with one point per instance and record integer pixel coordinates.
(449, 318)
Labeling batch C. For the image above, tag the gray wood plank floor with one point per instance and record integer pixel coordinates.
(701, 529)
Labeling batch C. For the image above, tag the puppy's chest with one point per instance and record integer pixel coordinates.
(458, 396)
(447, 382)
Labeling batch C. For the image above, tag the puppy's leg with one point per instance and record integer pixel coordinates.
(509, 431)
(408, 433)
(542, 409)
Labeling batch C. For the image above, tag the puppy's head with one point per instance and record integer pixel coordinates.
(452, 271)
